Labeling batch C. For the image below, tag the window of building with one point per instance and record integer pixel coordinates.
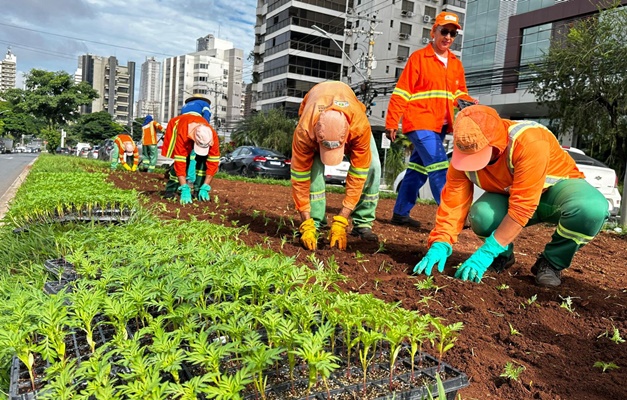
(355, 46)
(391, 23)
(389, 46)
(387, 69)
(405, 28)
(402, 51)
(407, 5)
(398, 73)
(431, 11)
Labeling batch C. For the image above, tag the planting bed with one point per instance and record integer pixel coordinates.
(557, 347)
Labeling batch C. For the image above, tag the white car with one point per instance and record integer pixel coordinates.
(597, 174)
(337, 174)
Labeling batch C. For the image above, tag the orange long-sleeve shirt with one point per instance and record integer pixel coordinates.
(330, 96)
(149, 133)
(120, 141)
(178, 145)
(426, 92)
(537, 160)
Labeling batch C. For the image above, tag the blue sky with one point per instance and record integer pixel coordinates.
(51, 34)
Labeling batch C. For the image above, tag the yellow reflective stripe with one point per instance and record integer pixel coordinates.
(317, 196)
(370, 197)
(201, 173)
(433, 94)
(180, 158)
(214, 159)
(474, 178)
(437, 166)
(402, 93)
(300, 176)
(577, 237)
(459, 93)
(358, 172)
(551, 180)
(192, 156)
(173, 140)
(417, 167)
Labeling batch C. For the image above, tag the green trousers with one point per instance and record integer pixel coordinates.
(149, 157)
(115, 158)
(199, 164)
(364, 213)
(576, 207)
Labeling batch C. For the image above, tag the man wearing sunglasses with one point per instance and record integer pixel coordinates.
(430, 86)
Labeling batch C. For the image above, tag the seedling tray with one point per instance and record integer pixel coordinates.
(61, 269)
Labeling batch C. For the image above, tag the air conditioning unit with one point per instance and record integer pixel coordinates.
(426, 18)
(425, 40)
(403, 36)
(401, 59)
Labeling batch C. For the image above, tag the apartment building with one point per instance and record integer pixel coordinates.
(215, 70)
(149, 89)
(8, 71)
(114, 83)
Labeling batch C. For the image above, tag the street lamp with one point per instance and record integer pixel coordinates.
(325, 33)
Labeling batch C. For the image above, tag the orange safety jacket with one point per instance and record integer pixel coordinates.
(178, 145)
(330, 96)
(149, 133)
(425, 93)
(532, 161)
(120, 141)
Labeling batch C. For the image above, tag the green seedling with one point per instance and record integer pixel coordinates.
(605, 366)
(502, 286)
(446, 337)
(513, 331)
(360, 257)
(529, 301)
(616, 338)
(381, 248)
(567, 303)
(385, 267)
(512, 372)
(427, 284)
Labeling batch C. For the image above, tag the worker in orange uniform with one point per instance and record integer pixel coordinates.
(528, 179)
(332, 123)
(123, 150)
(185, 135)
(149, 143)
(425, 94)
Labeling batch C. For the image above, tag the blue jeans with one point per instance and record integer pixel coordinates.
(427, 160)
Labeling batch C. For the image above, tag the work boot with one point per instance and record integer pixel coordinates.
(404, 220)
(169, 195)
(365, 233)
(501, 263)
(546, 275)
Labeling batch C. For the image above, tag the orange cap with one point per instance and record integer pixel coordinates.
(474, 131)
(445, 18)
(331, 130)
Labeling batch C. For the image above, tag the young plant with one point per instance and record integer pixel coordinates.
(258, 357)
(513, 331)
(367, 339)
(86, 304)
(446, 337)
(512, 372)
(427, 284)
(397, 330)
(567, 303)
(605, 366)
(502, 286)
(529, 301)
(319, 361)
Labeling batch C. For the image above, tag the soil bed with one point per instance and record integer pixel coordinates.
(557, 347)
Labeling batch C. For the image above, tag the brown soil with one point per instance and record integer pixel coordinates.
(557, 347)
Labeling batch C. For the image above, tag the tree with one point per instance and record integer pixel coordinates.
(95, 127)
(583, 82)
(272, 129)
(18, 124)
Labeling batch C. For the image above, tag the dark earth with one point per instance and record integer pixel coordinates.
(557, 347)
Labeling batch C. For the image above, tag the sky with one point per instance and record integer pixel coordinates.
(52, 34)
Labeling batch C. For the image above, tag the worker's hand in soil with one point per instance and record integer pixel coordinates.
(438, 253)
(126, 167)
(308, 234)
(474, 268)
(186, 194)
(337, 234)
(134, 168)
(203, 193)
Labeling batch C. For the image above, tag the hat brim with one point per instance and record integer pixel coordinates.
(331, 157)
(200, 150)
(471, 162)
(197, 98)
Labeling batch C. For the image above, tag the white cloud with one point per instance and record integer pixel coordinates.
(52, 34)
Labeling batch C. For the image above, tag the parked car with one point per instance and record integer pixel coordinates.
(93, 153)
(256, 161)
(104, 150)
(20, 149)
(83, 152)
(337, 174)
(3, 148)
(597, 174)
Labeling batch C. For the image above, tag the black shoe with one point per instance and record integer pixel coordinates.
(546, 275)
(404, 220)
(501, 263)
(365, 233)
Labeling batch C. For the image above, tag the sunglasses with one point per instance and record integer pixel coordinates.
(445, 31)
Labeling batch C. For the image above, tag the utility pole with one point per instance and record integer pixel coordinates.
(370, 61)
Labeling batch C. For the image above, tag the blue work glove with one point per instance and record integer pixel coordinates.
(191, 168)
(203, 193)
(186, 194)
(438, 253)
(473, 268)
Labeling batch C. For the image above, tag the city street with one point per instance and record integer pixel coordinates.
(11, 166)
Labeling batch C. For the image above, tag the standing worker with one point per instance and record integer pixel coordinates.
(193, 144)
(149, 143)
(425, 94)
(528, 179)
(123, 150)
(332, 123)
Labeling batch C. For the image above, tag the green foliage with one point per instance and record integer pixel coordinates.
(512, 372)
(582, 82)
(395, 158)
(272, 129)
(95, 127)
(605, 366)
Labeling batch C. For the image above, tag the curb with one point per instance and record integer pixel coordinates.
(10, 193)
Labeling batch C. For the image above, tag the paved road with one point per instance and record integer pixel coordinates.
(11, 166)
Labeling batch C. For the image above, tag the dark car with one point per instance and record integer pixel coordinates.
(104, 150)
(256, 161)
(63, 150)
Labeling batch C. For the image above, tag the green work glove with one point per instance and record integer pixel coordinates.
(308, 234)
(438, 253)
(337, 234)
(203, 193)
(473, 268)
(191, 168)
(186, 194)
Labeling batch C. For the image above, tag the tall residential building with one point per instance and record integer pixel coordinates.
(215, 71)
(8, 71)
(149, 89)
(396, 29)
(290, 55)
(115, 85)
(503, 38)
